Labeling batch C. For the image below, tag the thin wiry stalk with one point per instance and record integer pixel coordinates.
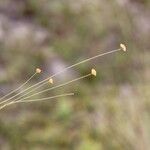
(35, 100)
(43, 99)
(37, 72)
(41, 83)
(52, 88)
(16, 89)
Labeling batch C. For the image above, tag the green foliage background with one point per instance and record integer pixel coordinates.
(111, 112)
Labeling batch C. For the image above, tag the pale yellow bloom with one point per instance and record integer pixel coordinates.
(38, 70)
(123, 47)
(51, 81)
(93, 72)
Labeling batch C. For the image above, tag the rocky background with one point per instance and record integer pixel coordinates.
(111, 112)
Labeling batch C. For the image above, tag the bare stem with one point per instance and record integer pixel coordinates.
(16, 89)
(35, 100)
(52, 88)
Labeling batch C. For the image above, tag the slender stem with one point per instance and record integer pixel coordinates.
(41, 83)
(76, 64)
(43, 99)
(16, 89)
(52, 88)
(31, 91)
(35, 100)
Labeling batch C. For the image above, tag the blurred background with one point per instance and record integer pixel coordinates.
(111, 112)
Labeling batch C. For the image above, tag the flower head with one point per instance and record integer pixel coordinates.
(123, 47)
(38, 70)
(51, 81)
(93, 72)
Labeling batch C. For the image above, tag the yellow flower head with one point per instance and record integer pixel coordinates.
(93, 72)
(38, 70)
(123, 47)
(51, 81)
